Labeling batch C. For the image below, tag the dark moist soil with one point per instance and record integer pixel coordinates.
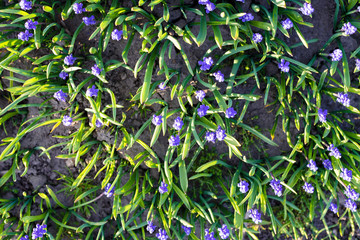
(43, 170)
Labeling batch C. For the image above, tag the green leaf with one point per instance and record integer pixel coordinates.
(203, 31)
(183, 175)
(147, 79)
(279, 3)
(256, 133)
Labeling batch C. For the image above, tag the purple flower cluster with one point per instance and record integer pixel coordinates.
(322, 115)
(230, 113)
(78, 8)
(116, 34)
(327, 164)
(202, 110)
(219, 76)
(163, 188)
(336, 55)
(243, 186)
(178, 124)
(242, 1)
(348, 29)
(344, 99)
(67, 120)
(162, 86)
(284, 66)
(333, 208)
(308, 187)
(200, 95)
(60, 96)
(109, 193)
(334, 151)
(24, 36)
(257, 37)
(174, 141)
(351, 193)
(92, 92)
(162, 235)
(351, 205)
(157, 120)
(96, 70)
(209, 6)
(89, 20)
(224, 232)
(206, 63)
(25, 5)
(26, 237)
(30, 24)
(247, 17)
(63, 75)
(346, 174)
(312, 165)
(209, 236)
(219, 134)
(307, 9)
(357, 64)
(255, 216)
(98, 123)
(69, 60)
(150, 227)
(276, 185)
(210, 137)
(39, 231)
(287, 24)
(186, 229)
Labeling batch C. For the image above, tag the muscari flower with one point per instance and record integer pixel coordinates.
(219, 76)
(243, 186)
(336, 55)
(150, 227)
(255, 215)
(163, 188)
(162, 86)
(334, 151)
(358, 8)
(350, 204)
(178, 124)
(220, 134)
(202, 110)
(210, 7)
(242, 1)
(60, 96)
(346, 174)
(96, 70)
(348, 29)
(157, 120)
(187, 230)
(210, 137)
(174, 141)
(203, 2)
(63, 75)
(92, 92)
(333, 208)
(357, 64)
(327, 164)
(30, 24)
(116, 34)
(26, 237)
(275, 184)
(109, 193)
(89, 20)
(307, 9)
(287, 24)
(308, 188)
(39, 231)
(200, 95)
(98, 123)
(351, 193)
(247, 17)
(209, 236)
(224, 232)
(69, 60)
(162, 235)
(284, 66)
(322, 115)
(206, 63)
(312, 165)
(78, 8)
(230, 113)
(24, 36)
(25, 5)
(257, 37)
(67, 120)
(344, 99)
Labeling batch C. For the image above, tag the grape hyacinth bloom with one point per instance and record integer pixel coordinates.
(162, 86)
(39, 231)
(219, 76)
(333, 208)
(89, 20)
(275, 184)
(336, 55)
(327, 164)
(24, 36)
(220, 134)
(322, 115)
(312, 165)
(202, 110)
(242, 1)
(206, 63)
(178, 124)
(334, 151)
(69, 60)
(25, 5)
(308, 187)
(174, 141)
(247, 17)
(351, 205)
(98, 123)
(150, 227)
(63, 75)
(116, 34)
(209, 236)
(307, 9)
(186, 229)
(157, 120)
(30, 24)
(348, 29)
(200, 95)
(344, 99)
(109, 193)
(224, 232)
(243, 186)
(346, 174)
(60, 96)
(210, 7)
(78, 8)
(357, 64)
(67, 120)
(287, 24)
(96, 70)
(203, 2)
(210, 137)
(26, 237)
(358, 8)
(257, 37)
(284, 66)
(230, 113)
(163, 188)
(92, 92)
(162, 235)
(351, 193)
(255, 215)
